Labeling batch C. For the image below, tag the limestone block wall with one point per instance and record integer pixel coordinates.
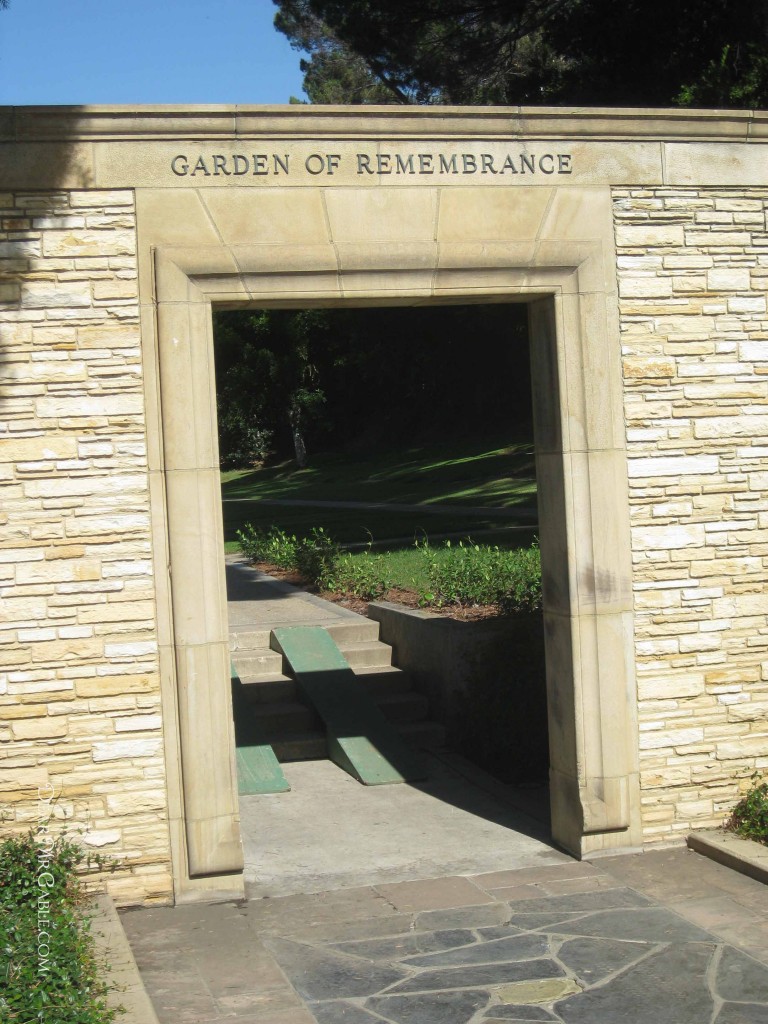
(693, 281)
(79, 685)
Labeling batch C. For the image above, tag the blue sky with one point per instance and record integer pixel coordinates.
(144, 51)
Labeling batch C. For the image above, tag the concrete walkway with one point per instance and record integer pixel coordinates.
(665, 937)
(257, 601)
(331, 832)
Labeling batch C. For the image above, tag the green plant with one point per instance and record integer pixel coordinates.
(522, 585)
(457, 574)
(749, 817)
(272, 545)
(362, 576)
(477, 574)
(49, 969)
(317, 555)
(251, 445)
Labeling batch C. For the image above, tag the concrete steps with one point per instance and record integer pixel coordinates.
(258, 664)
(278, 718)
(267, 686)
(292, 727)
(312, 746)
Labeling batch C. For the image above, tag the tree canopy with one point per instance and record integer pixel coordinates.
(709, 53)
(349, 379)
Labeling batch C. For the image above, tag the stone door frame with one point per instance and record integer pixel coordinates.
(564, 267)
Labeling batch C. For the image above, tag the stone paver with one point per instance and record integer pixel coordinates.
(618, 951)
(434, 894)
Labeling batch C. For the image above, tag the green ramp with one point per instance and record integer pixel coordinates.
(258, 770)
(360, 739)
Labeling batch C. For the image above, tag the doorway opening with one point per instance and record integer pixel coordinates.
(582, 491)
(402, 437)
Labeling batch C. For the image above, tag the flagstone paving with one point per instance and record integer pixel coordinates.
(644, 939)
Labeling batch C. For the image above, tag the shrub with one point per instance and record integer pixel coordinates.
(314, 556)
(317, 555)
(273, 545)
(472, 574)
(522, 586)
(50, 971)
(750, 815)
(461, 574)
(362, 576)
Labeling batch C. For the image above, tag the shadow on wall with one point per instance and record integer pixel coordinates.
(37, 161)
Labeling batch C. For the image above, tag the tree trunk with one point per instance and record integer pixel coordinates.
(299, 447)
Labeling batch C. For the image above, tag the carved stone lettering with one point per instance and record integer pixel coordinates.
(502, 163)
(230, 164)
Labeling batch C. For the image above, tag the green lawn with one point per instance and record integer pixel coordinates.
(471, 474)
(493, 476)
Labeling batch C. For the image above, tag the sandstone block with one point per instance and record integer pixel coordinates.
(118, 750)
(29, 449)
(673, 465)
(753, 304)
(754, 351)
(23, 609)
(653, 367)
(117, 611)
(715, 238)
(743, 747)
(733, 678)
(114, 289)
(138, 723)
(99, 838)
(674, 687)
(102, 198)
(666, 777)
(728, 427)
(80, 406)
(723, 279)
(107, 336)
(683, 284)
(88, 242)
(134, 648)
(67, 650)
(20, 779)
(52, 295)
(661, 738)
(751, 711)
(649, 235)
(672, 537)
(15, 555)
(140, 802)
(57, 571)
(39, 728)
(645, 287)
(65, 551)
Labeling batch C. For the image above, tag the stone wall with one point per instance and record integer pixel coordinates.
(79, 686)
(79, 682)
(693, 278)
